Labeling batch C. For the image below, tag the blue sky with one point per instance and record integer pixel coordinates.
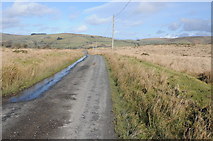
(138, 20)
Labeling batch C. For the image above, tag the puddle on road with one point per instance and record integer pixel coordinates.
(38, 89)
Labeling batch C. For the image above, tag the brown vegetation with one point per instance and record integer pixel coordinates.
(193, 60)
(152, 102)
(21, 68)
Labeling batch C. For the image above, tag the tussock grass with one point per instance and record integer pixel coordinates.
(194, 60)
(153, 102)
(21, 68)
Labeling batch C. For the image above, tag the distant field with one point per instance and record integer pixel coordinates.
(21, 68)
(194, 60)
(153, 102)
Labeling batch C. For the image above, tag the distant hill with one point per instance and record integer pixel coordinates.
(63, 40)
(181, 40)
(74, 41)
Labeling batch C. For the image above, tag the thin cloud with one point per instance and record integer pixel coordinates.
(130, 22)
(74, 12)
(196, 25)
(160, 32)
(12, 16)
(95, 20)
(133, 8)
(191, 25)
(97, 8)
(81, 28)
(10, 22)
(106, 9)
(73, 16)
(174, 26)
(149, 8)
(19, 9)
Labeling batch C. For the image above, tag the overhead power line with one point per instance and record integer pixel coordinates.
(116, 15)
(114, 19)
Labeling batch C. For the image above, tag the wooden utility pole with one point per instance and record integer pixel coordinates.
(113, 20)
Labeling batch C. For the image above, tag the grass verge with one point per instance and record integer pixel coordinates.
(152, 102)
(23, 68)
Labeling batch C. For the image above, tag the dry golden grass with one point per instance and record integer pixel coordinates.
(21, 68)
(154, 102)
(193, 60)
(151, 103)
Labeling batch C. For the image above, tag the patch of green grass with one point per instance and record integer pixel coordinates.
(122, 109)
(189, 86)
(152, 102)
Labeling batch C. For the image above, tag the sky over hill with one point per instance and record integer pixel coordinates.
(138, 20)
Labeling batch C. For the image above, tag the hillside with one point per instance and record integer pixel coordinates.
(73, 41)
(63, 40)
(181, 40)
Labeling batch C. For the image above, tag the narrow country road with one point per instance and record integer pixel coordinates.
(77, 107)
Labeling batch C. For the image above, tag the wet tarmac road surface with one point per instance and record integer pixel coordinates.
(77, 107)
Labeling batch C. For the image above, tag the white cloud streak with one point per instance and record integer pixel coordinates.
(19, 9)
(100, 7)
(81, 29)
(174, 26)
(95, 20)
(191, 25)
(149, 8)
(12, 16)
(196, 25)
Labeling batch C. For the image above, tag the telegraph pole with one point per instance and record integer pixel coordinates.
(113, 20)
